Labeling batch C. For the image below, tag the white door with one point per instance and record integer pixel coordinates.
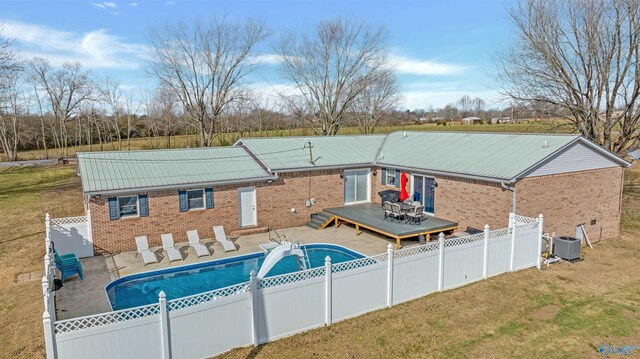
(357, 185)
(247, 206)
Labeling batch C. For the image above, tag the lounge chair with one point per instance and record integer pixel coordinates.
(194, 242)
(415, 215)
(68, 267)
(66, 256)
(167, 244)
(221, 237)
(143, 249)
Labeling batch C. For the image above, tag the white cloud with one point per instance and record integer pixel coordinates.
(407, 65)
(133, 4)
(104, 5)
(267, 59)
(170, 3)
(93, 49)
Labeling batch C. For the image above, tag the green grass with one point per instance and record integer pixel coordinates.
(229, 138)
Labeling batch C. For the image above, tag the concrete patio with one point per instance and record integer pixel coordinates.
(79, 298)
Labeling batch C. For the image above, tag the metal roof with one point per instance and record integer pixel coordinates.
(138, 170)
(486, 155)
(289, 153)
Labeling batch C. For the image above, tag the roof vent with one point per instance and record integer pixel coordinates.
(404, 134)
(545, 144)
(381, 155)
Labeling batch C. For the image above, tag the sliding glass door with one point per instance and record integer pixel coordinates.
(356, 186)
(424, 191)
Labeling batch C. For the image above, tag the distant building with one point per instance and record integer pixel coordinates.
(471, 121)
(501, 120)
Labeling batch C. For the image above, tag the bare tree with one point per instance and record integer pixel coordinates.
(63, 91)
(580, 59)
(113, 97)
(330, 68)
(10, 69)
(205, 64)
(376, 99)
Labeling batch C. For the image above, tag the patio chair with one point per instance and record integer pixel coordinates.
(167, 244)
(221, 237)
(194, 242)
(68, 267)
(142, 244)
(388, 211)
(66, 256)
(396, 211)
(415, 215)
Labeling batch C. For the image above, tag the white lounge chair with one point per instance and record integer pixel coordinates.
(221, 237)
(194, 242)
(167, 244)
(143, 249)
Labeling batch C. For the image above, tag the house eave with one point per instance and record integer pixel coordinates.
(181, 186)
(445, 174)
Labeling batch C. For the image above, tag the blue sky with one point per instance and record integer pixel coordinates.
(441, 50)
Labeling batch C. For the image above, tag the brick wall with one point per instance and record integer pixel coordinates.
(274, 203)
(567, 200)
(470, 203)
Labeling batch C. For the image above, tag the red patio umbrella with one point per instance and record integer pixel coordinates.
(403, 187)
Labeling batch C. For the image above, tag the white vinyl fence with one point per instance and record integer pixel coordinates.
(259, 311)
(71, 234)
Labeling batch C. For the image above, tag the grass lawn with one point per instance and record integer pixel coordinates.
(564, 311)
(230, 138)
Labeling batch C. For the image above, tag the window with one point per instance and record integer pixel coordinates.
(391, 177)
(195, 199)
(128, 206)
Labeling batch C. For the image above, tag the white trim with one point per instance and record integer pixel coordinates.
(137, 207)
(344, 175)
(204, 205)
(255, 205)
(422, 197)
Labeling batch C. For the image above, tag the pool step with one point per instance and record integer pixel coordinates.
(320, 220)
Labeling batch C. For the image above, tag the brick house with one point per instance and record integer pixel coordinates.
(265, 183)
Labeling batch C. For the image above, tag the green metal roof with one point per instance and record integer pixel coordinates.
(488, 155)
(120, 171)
(287, 153)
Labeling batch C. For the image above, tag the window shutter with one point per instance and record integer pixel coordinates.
(144, 205)
(182, 197)
(114, 212)
(208, 194)
(383, 176)
(397, 178)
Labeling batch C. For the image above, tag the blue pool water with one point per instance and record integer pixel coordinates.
(143, 288)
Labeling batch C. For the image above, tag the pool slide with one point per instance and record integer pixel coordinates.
(281, 251)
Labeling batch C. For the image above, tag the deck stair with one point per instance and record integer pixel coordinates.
(320, 220)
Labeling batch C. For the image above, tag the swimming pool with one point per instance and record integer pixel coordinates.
(143, 288)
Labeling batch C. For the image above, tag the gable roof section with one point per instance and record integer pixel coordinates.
(483, 155)
(104, 172)
(292, 153)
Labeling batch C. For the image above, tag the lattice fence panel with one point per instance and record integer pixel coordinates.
(291, 277)
(68, 220)
(453, 242)
(412, 251)
(71, 325)
(499, 233)
(210, 296)
(359, 263)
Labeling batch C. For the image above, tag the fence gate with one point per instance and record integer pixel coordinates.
(72, 235)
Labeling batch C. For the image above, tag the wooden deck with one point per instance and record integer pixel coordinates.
(371, 216)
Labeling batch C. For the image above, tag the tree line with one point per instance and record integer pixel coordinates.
(578, 61)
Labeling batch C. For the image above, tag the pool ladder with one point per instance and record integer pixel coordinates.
(305, 264)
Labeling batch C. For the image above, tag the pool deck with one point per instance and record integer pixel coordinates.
(79, 298)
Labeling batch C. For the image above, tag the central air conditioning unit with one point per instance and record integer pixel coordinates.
(567, 248)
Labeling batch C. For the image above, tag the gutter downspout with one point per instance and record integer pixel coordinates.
(511, 188)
